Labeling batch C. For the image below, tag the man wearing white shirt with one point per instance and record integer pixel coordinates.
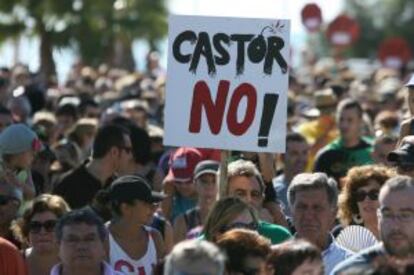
(313, 199)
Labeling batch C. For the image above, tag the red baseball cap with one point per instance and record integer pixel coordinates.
(211, 154)
(182, 164)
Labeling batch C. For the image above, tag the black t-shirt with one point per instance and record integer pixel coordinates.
(78, 187)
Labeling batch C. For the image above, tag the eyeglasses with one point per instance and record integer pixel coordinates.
(361, 195)
(75, 240)
(250, 226)
(35, 227)
(404, 216)
(4, 200)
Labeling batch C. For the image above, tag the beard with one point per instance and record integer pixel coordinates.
(403, 250)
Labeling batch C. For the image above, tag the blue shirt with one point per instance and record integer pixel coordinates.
(181, 205)
(281, 188)
(334, 255)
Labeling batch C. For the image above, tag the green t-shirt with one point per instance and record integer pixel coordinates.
(275, 233)
(335, 159)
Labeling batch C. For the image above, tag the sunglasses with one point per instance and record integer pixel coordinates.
(36, 227)
(250, 226)
(361, 195)
(4, 200)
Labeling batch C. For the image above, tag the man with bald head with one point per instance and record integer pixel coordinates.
(396, 225)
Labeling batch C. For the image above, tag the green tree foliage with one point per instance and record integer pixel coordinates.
(107, 28)
(48, 19)
(100, 30)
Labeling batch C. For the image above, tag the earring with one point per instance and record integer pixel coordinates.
(357, 219)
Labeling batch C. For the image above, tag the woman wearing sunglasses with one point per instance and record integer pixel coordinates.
(358, 200)
(229, 213)
(36, 230)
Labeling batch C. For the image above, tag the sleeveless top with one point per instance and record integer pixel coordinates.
(120, 261)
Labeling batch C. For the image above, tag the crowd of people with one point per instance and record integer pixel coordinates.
(87, 186)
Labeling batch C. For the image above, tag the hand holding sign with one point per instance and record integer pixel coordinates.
(227, 83)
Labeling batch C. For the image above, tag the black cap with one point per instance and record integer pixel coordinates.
(403, 155)
(128, 188)
(206, 167)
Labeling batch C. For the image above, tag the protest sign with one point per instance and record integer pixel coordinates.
(227, 82)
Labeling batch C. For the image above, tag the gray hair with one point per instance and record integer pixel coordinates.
(397, 183)
(245, 168)
(191, 256)
(312, 181)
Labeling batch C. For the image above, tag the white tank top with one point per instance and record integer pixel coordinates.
(120, 261)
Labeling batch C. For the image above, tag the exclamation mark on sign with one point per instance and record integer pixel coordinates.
(269, 107)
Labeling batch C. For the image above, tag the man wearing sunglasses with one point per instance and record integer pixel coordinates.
(396, 226)
(10, 200)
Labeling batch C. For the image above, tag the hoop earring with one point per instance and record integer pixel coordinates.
(357, 219)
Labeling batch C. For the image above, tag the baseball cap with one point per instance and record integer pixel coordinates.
(131, 187)
(402, 155)
(206, 167)
(182, 164)
(18, 138)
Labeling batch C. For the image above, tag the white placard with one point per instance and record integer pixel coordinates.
(224, 74)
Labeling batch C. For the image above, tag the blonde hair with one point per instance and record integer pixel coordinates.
(222, 213)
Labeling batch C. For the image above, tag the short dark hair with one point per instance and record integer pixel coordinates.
(67, 110)
(286, 257)
(107, 137)
(79, 216)
(4, 110)
(86, 103)
(295, 137)
(241, 243)
(350, 103)
(141, 145)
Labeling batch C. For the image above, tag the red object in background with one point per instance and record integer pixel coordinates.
(394, 52)
(312, 17)
(343, 31)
